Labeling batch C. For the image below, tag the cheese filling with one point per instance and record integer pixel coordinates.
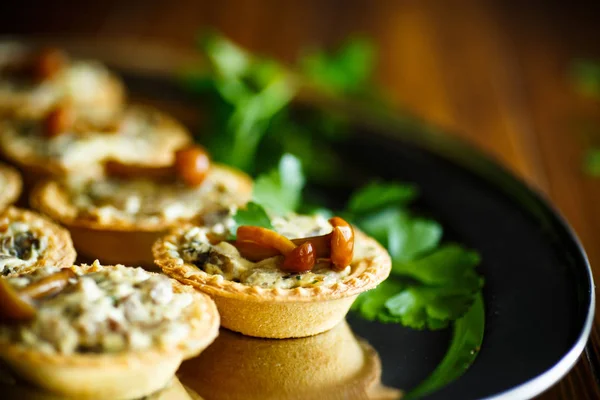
(139, 138)
(84, 83)
(109, 310)
(225, 260)
(143, 199)
(19, 247)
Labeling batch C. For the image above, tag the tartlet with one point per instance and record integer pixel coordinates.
(32, 81)
(111, 332)
(12, 389)
(118, 219)
(62, 144)
(10, 185)
(332, 365)
(29, 241)
(260, 298)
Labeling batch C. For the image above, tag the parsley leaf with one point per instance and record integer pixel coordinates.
(586, 76)
(280, 190)
(430, 285)
(256, 90)
(377, 195)
(371, 304)
(429, 292)
(467, 337)
(252, 214)
(404, 236)
(347, 70)
(429, 307)
(450, 267)
(591, 164)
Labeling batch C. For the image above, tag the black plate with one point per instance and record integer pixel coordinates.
(539, 297)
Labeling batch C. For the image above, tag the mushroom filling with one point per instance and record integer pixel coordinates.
(83, 82)
(129, 200)
(134, 140)
(19, 247)
(105, 311)
(224, 259)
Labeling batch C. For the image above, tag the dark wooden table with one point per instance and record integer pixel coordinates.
(494, 73)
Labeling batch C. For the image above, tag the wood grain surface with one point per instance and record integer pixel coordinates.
(494, 73)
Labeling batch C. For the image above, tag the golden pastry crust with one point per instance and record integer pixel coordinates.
(274, 312)
(125, 375)
(59, 251)
(105, 100)
(11, 185)
(113, 241)
(19, 390)
(154, 146)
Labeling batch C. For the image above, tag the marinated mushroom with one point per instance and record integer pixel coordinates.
(191, 166)
(13, 306)
(256, 244)
(58, 120)
(49, 285)
(18, 305)
(48, 63)
(342, 243)
(118, 169)
(301, 259)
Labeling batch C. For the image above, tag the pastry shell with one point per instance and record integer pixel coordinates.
(59, 252)
(20, 390)
(11, 189)
(116, 241)
(333, 365)
(120, 376)
(29, 104)
(169, 136)
(273, 312)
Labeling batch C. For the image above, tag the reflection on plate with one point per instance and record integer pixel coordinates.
(332, 365)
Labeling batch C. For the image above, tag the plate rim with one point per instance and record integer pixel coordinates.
(428, 138)
(483, 165)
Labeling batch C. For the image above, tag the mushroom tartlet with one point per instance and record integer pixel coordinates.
(34, 81)
(10, 185)
(297, 280)
(61, 143)
(111, 332)
(119, 217)
(29, 241)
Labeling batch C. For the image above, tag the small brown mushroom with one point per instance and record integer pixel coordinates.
(301, 259)
(342, 243)
(17, 305)
(256, 244)
(58, 120)
(254, 252)
(121, 170)
(49, 285)
(48, 63)
(265, 237)
(192, 165)
(13, 306)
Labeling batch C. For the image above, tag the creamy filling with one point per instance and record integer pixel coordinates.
(142, 199)
(225, 260)
(106, 311)
(139, 138)
(82, 82)
(19, 248)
